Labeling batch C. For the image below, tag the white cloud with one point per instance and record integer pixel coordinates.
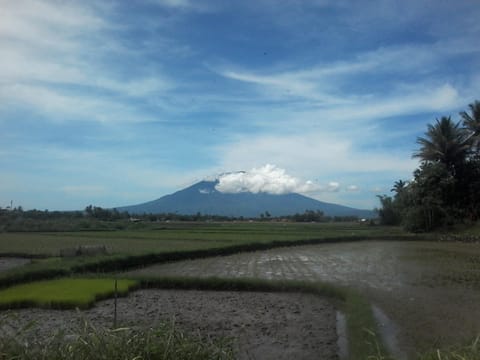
(47, 63)
(174, 3)
(333, 186)
(353, 188)
(330, 90)
(187, 5)
(268, 179)
(325, 154)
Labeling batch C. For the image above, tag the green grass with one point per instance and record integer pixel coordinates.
(184, 237)
(470, 351)
(62, 293)
(363, 341)
(164, 342)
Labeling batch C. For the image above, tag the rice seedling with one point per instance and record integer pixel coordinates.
(62, 293)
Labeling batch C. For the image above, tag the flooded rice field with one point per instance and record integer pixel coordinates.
(7, 263)
(430, 290)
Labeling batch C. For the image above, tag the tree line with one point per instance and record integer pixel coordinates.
(98, 218)
(445, 189)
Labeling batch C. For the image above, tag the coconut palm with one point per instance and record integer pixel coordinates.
(398, 186)
(444, 142)
(472, 123)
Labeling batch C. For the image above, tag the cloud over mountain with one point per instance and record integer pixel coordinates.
(266, 179)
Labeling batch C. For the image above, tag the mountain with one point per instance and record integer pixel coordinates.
(204, 198)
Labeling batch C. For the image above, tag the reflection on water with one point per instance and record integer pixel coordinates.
(7, 263)
(372, 264)
(416, 284)
(389, 333)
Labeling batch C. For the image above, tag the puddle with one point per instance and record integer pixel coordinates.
(389, 333)
(7, 263)
(342, 339)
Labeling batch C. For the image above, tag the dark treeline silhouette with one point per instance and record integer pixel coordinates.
(445, 189)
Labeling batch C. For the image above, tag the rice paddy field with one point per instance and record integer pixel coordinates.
(424, 294)
(427, 292)
(166, 237)
(62, 293)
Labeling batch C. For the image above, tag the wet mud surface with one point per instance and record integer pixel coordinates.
(7, 263)
(264, 325)
(430, 290)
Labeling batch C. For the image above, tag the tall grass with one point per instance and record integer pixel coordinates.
(87, 342)
(459, 352)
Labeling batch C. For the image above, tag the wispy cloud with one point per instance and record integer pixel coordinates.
(332, 89)
(48, 64)
(161, 92)
(318, 153)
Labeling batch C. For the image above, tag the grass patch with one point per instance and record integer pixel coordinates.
(87, 342)
(185, 237)
(43, 269)
(244, 284)
(363, 341)
(465, 352)
(62, 293)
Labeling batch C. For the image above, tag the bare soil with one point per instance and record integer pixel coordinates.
(263, 325)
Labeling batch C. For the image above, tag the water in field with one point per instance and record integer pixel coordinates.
(7, 263)
(372, 264)
(431, 290)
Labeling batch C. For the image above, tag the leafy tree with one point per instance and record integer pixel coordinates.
(446, 186)
(430, 196)
(388, 213)
(471, 122)
(399, 187)
(445, 142)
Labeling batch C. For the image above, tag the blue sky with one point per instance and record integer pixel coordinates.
(119, 102)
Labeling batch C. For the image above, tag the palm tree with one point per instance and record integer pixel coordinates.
(472, 123)
(444, 142)
(398, 186)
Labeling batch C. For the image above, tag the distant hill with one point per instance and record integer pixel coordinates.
(204, 198)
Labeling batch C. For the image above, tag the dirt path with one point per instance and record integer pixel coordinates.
(265, 325)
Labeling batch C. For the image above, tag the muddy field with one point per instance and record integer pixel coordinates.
(264, 325)
(7, 263)
(430, 291)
